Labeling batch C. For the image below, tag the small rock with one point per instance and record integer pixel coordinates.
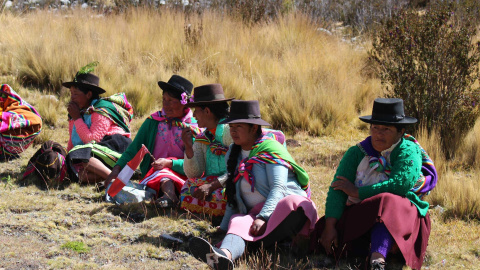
(439, 209)
(293, 143)
(170, 238)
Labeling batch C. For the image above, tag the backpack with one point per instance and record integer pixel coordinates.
(48, 163)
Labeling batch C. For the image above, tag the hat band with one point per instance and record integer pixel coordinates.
(179, 86)
(244, 116)
(387, 117)
(85, 82)
(209, 98)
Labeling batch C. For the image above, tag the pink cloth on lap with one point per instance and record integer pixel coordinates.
(240, 224)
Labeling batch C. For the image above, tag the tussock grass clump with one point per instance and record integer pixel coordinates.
(456, 190)
(469, 152)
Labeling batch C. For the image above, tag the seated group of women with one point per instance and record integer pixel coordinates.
(207, 156)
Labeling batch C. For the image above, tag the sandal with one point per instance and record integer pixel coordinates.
(215, 257)
(164, 203)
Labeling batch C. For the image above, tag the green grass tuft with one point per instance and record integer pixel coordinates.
(76, 246)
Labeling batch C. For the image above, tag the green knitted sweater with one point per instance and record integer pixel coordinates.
(406, 161)
(146, 135)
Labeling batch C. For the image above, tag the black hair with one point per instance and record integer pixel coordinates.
(400, 127)
(397, 127)
(174, 94)
(85, 90)
(231, 167)
(230, 190)
(220, 109)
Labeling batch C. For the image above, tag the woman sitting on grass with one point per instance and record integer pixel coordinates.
(98, 127)
(265, 188)
(374, 201)
(204, 159)
(161, 133)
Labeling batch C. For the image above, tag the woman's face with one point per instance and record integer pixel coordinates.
(172, 106)
(243, 134)
(201, 116)
(383, 137)
(81, 99)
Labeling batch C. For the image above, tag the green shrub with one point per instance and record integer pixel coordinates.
(430, 61)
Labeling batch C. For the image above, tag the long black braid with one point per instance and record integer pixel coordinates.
(231, 167)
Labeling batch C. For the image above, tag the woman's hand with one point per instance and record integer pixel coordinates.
(329, 237)
(161, 163)
(202, 192)
(73, 110)
(258, 227)
(187, 138)
(115, 171)
(346, 186)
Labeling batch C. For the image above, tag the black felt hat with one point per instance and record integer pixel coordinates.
(177, 84)
(208, 94)
(85, 80)
(388, 111)
(245, 111)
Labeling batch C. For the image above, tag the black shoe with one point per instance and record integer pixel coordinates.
(214, 257)
(377, 265)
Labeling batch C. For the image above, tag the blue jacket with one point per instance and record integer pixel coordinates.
(273, 181)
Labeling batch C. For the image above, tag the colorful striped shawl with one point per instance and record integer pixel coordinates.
(159, 116)
(269, 151)
(207, 138)
(20, 123)
(116, 108)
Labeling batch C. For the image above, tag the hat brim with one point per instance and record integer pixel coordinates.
(407, 120)
(257, 121)
(168, 87)
(91, 87)
(200, 103)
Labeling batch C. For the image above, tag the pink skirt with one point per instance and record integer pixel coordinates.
(240, 224)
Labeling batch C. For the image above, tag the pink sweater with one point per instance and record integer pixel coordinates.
(101, 126)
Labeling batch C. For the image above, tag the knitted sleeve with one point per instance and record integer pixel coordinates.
(195, 166)
(70, 128)
(141, 138)
(406, 160)
(96, 132)
(335, 203)
(227, 138)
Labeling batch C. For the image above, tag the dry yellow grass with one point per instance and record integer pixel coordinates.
(307, 83)
(305, 79)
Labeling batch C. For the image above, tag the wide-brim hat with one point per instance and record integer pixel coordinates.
(388, 111)
(87, 81)
(177, 84)
(208, 94)
(245, 111)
